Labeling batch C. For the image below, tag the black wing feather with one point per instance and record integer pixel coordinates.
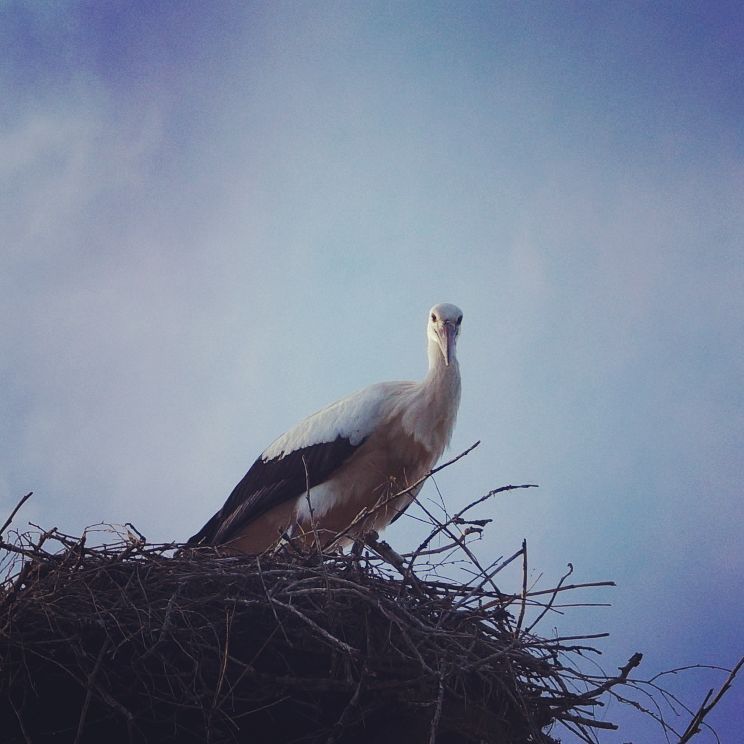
(269, 483)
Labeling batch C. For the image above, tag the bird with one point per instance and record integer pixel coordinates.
(351, 468)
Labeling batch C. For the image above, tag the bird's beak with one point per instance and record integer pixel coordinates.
(446, 334)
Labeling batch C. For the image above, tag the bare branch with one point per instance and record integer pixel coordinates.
(15, 511)
(706, 707)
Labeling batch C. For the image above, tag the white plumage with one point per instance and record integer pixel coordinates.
(339, 471)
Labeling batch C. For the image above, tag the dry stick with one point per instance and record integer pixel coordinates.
(589, 722)
(89, 692)
(15, 511)
(310, 506)
(19, 718)
(568, 587)
(669, 698)
(452, 520)
(540, 592)
(437, 711)
(382, 503)
(116, 705)
(524, 589)
(434, 551)
(501, 653)
(658, 716)
(609, 683)
(345, 716)
(706, 707)
(433, 471)
(465, 549)
(384, 550)
(317, 628)
(685, 668)
(223, 666)
(166, 625)
(270, 598)
(549, 605)
(558, 639)
(139, 535)
(477, 590)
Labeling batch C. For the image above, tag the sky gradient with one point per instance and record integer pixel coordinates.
(217, 218)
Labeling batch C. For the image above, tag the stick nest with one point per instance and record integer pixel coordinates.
(133, 642)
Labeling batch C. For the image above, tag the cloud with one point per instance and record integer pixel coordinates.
(205, 242)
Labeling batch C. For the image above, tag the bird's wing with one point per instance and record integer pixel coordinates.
(269, 483)
(307, 455)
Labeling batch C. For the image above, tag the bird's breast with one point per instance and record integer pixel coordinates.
(389, 462)
(429, 417)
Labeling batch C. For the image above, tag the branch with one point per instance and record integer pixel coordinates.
(382, 503)
(706, 707)
(15, 511)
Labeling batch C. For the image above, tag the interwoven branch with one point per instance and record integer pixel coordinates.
(132, 642)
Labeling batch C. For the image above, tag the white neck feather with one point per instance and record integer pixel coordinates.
(431, 415)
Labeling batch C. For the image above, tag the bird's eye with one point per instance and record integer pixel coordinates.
(459, 320)
(433, 318)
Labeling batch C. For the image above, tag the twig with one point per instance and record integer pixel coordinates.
(225, 656)
(383, 503)
(221, 639)
(89, 692)
(440, 527)
(321, 631)
(19, 718)
(313, 524)
(524, 589)
(345, 716)
(15, 511)
(437, 711)
(548, 606)
(705, 707)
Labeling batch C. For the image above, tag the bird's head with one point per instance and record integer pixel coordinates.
(443, 329)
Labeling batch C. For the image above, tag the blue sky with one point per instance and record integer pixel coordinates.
(217, 218)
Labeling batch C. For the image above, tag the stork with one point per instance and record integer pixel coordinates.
(353, 466)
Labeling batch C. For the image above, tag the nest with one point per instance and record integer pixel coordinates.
(132, 642)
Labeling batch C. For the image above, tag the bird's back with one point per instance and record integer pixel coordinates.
(304, 457)
(351, 457)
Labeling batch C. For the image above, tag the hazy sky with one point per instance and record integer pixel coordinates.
(218, 217)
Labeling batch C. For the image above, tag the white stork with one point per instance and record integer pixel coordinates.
(315, 481)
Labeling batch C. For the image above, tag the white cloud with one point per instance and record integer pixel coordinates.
(184, 278)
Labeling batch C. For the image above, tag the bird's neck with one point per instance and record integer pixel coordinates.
(441, 387)
(440, 375)
(438, 400)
